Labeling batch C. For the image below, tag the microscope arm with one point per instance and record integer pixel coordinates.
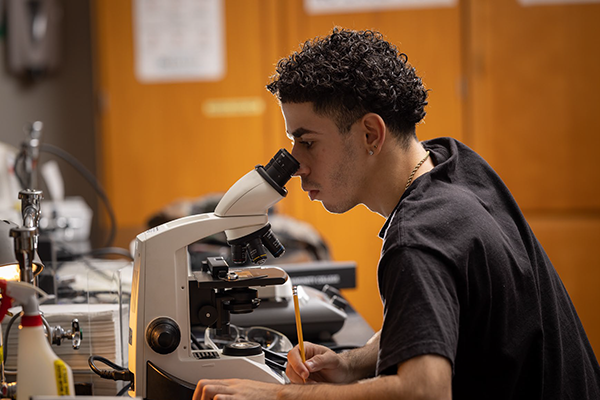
(174, 235)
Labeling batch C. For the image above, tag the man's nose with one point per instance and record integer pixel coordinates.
(302, 170)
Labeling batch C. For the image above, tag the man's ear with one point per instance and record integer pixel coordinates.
(375, 132)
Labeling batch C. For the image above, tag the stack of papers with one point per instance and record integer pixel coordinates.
(103, 327)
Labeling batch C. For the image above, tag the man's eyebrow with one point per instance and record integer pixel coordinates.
(298, 132)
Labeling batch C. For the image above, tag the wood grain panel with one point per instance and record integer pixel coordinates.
(570, 242)
(533, 106)
(158, 144)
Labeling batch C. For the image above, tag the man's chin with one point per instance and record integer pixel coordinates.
(334, 208)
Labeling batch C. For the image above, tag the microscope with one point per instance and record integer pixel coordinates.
(168, 297)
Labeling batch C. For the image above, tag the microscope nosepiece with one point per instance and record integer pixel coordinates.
(238, 253)
(254, 245)
(273, 244)
(257, 252)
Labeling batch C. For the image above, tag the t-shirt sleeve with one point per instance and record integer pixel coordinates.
(420, 305)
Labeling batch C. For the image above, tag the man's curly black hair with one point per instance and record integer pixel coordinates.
(348, 74)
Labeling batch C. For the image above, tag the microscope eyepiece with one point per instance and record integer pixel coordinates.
(279, 170)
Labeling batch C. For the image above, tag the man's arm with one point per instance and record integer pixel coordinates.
(324, 365)
(423, 377)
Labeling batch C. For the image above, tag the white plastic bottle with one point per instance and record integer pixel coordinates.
(39, 370)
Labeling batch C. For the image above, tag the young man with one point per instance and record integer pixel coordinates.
(473, 307)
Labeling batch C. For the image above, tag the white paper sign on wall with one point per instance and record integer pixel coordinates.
(346, 6)
(179, 40)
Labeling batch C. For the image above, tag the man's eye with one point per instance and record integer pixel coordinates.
(306, 143)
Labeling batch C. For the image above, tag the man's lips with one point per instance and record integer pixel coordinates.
(312, 194)
(311, 189)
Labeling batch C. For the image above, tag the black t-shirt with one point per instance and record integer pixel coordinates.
(462, 275)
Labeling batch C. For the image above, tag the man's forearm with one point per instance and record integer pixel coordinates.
(380, 388)
(422, 377)
(363, 361)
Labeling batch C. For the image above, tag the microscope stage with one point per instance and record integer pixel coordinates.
(241, 277)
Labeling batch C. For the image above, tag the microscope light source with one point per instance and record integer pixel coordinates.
(9, 265)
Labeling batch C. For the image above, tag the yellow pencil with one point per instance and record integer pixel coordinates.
(298, 323)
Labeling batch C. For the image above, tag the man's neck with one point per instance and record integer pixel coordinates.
(394, 166)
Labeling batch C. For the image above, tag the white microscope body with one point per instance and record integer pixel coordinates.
(168, 298)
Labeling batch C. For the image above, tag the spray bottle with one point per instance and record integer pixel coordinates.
(39, 370)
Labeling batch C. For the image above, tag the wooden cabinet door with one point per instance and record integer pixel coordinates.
(532, 113)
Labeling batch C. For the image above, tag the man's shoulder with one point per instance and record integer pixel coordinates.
(446, 214)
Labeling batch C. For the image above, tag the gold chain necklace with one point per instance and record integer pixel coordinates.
(414, 171)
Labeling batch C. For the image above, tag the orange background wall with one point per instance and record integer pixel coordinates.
(518, 84)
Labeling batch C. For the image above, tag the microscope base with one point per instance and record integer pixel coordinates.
(163, 386)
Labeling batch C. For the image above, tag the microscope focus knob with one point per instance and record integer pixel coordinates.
(163, 335)
(208, 315)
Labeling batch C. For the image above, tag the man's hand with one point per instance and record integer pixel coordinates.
(235, 389)
(322, 365)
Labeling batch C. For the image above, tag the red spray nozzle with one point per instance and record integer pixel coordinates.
(24, 293)
(6, 301)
